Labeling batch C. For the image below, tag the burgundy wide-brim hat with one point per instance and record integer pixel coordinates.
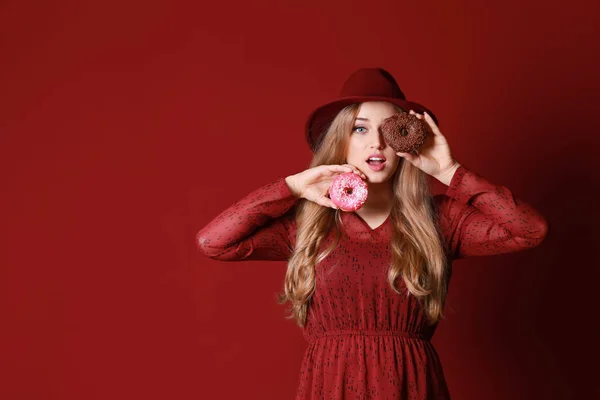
(365, 84)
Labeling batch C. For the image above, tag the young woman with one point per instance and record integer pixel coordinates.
(368, 287)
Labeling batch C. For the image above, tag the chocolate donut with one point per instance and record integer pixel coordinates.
(404, 132)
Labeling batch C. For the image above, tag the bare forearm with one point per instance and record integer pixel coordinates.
(446, 176)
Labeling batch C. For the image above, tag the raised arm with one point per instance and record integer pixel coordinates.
(262, 226)
(257, 227)
(478, 218)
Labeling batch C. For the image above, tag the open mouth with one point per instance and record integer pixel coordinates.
(376, 162)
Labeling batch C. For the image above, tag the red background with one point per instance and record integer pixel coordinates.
(125, 127)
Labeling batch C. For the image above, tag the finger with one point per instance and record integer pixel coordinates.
(327, 202)
(357, 171)
(432, 124)
(415, 114)
(409, 157)
(360, 173)
(332, 170)
(340, 168)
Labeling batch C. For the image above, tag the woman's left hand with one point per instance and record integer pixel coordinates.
(434, 157)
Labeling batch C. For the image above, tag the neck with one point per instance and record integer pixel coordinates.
(380, 198)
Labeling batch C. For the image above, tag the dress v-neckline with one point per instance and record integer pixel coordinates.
(368, 226)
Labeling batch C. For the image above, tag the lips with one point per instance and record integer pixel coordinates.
(378, 166)
(376, 162)
(375, 155)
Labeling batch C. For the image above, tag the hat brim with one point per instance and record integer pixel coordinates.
(320, 119)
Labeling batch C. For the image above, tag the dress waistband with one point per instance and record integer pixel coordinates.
(361, 332)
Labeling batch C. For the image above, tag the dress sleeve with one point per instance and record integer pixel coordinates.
(260, 226)
(478, 218)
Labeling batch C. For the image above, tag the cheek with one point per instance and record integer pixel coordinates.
(352, 157)
(352, 152)
(394, 162)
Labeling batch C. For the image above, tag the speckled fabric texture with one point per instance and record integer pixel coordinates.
(365, 341)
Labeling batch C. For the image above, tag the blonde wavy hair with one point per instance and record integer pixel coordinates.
(417, 247)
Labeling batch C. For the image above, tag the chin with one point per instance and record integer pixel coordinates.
(378, 178)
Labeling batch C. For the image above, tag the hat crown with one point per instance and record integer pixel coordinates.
(371, 82)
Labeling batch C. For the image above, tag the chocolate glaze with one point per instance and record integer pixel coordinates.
(404, 132)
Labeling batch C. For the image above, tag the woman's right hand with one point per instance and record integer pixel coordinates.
(313, 184)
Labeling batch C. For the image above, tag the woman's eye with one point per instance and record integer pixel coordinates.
(356, 129)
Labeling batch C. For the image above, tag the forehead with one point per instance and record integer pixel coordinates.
(376, 110)
(376, 107)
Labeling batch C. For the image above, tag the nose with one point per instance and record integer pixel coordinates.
(378, 142)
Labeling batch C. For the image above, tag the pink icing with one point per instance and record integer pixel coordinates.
(340, 188)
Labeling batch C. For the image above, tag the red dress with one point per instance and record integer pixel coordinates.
(364, 340)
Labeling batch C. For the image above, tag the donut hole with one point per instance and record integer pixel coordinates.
(348, 190)
(403, 132)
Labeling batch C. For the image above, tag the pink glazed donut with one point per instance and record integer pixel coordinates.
(348, 191)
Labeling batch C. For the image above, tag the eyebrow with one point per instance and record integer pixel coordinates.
(362, 119)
